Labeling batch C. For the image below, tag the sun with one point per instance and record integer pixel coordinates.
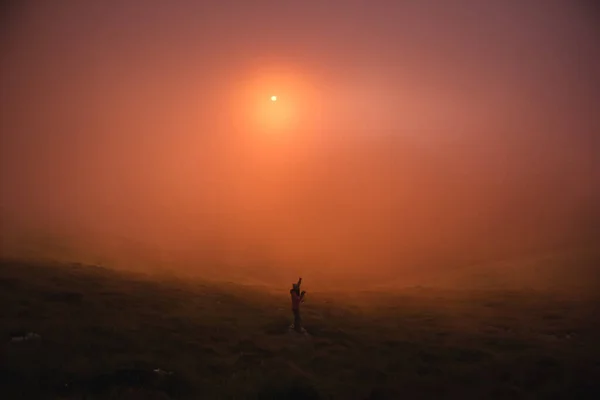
(273, 98)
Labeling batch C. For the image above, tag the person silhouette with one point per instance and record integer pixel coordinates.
(297, 298)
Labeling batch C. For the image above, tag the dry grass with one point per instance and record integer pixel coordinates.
(103, 333)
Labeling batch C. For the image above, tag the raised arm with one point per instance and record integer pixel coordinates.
(299, 282)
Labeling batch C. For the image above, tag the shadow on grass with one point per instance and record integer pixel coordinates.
(173, 385)
(131, 382)
(278, 326)
(296, 390)
(64, 297)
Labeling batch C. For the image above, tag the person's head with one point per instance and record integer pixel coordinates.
(295, 287)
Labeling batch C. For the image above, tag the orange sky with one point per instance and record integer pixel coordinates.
(402, 132)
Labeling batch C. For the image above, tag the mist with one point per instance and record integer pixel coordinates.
(138, 135)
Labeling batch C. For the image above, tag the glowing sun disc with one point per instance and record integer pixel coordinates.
(273, 98)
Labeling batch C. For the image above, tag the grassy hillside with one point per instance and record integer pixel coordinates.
(103, 334)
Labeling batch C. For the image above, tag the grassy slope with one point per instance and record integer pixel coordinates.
(103, 333)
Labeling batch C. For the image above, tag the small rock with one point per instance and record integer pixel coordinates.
(27, 336)
(162, 372)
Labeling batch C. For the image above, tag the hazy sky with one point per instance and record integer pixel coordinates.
(396, 121)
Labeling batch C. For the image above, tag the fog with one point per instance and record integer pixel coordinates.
(405, 138)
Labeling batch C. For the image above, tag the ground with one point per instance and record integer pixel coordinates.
(105, 334)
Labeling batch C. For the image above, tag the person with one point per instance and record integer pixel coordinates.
(297, 298)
